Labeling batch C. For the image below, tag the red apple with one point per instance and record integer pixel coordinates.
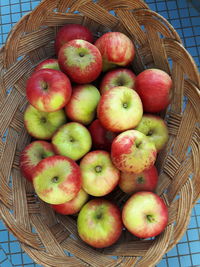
(48, 90)
(70, 32)
(120, 109)
(50, 63)
(32, 155)
(153, 86)
(80, 60)
(145, 214)
(117, 77)
(132, 151)
(99, 175)
(131, 182)
(101, 138)
(116, 49)
(73, 206)
(99, 223)
(57, 179)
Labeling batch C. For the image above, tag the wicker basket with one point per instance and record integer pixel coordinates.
(46, 236)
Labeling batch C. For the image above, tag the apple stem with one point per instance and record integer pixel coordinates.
(150, 218)
(140, 180)
(55, 179)
(125, 105)
(98, 168)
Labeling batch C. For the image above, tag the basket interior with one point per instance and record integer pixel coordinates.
(48, 237)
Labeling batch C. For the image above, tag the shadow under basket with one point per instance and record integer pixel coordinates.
(51, 239)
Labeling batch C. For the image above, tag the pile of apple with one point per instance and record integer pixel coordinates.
(95, 126)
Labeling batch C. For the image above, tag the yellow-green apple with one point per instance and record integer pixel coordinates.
(155, 129)
(73, 206)
(153, 86)
(48, 90)
(131, 182)
(32, 154)
(120, 109)
(72, 140)
(42, 125)
(57, 179)
(99, 223)
(51, 63)
(70, 32)
(116, 49)
(83, 103)
(101, 138)
(99, 175)
(145, 214)
(117, 77)
(80, 60)
(132, 151)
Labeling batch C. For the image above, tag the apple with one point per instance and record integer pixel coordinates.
(145, 214)
(117, 77)
(116, 49)
(80, 60)
(131, 182)
(72, 140)
(57, 179)
(155, 129)
(101, 138)
(99, 175)
(32, 154)
(83, 103)
(99, 223)
(42, 125)
(50, 63)
(72, 31)
(120, 109)
(154, 86)
(73, 206)
(132, 151)
(48, 90)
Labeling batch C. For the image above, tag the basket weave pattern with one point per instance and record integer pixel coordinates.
(46, 236)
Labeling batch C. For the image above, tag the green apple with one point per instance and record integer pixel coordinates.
(99, 174)
(42, 125)
(72, 140)
(83, 103)
(99, 223)
(155, 129)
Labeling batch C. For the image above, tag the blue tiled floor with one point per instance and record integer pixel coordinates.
(186, 20)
